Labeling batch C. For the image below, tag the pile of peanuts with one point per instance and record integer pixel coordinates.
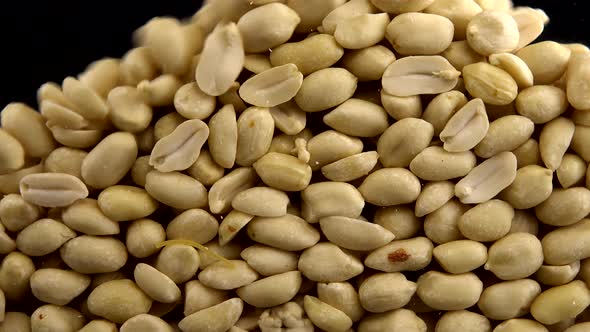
(306, 165)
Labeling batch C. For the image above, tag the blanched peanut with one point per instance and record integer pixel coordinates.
(271, 291)
(15, 274)
(358, 118)
(436, 164)
(93, 254)
(568, 244)
(401, 255)
(403, 319)
(51, 317)
(561, 302)
(442, 225)
(386, 291)
(121, 203)
(342, 296)
(400, 220)
(515, 256)
(532, 185)
(288, 232)
(312, 96)
(390, 186)
(175, 189)
(28, 127)
(433, 196)
(505, 134)
(460, 256)
(571, 171)
(564, 206)
(110, 160)
(156, 284)
(431, 34)
(403, 141)
(401, 107)
(58, 287)
(547, 60)
(367, 64)
(199, 296)
(43, 237)
(449, 292)
(492, 32)
(557, 275)
(218, 318)
(463, 319)
(325, 199)
(355, 234)
(508, 299)
(326, 262)
(520, 324)
(142, 237)
(179, 262)
(118, 300)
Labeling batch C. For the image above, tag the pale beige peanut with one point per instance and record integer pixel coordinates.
(205, 170)
(179, 262)
(309, 55)
(460, 12)
(12, 153)
(65, 160)
(99, 325)
(577, 73)
(354, 234)
(515, 256)
(441, 109)
(181, 148)
(492, 84)
(312, 12)
(52, 189)
(342, 296)
(218, 318)
(433, 196)
(528, 153)
(403, 141)
(564, 206)
(225, 189)
(401, 255)
(460, 54)
(223, 136)
(532, 185)
(147, 323)
(326, 88)
(221, 60)
(267, 26)
(51, 91)
(414, 75)
(93, 254)
(359, 118)
(520, 324)
(390, 186)
(325, 199)
(199, 296)
(566, 245)
(508, 299)
(262, 202)
(195, 225)
(547, 60)
(16, 322)
(579, 140)
(577, 48)
(155, 284)
(15, 273)
(42, 237)
(166, 125)
(442, 225)
(531, 23)
(487, 179)
(272, 87)
(268, 261)
(109, 161)
(556, 275)
(289, 118)
(383, 292)
(79, 139)
(325, 316)
(436, 164)
(224, 276)
(401, 107)
(344, 11)
(214, 12)
(122, 203)
(283, 172)
(129, 112)
(326, 262)
(514, 66)
(51, 317)
(449, 292)
(487, 221)
(16, 213)
(10, 183)
(57, 286)
(142, 236)
(361, 31)
(571, 171)
(58, 115)
(288, 232)
(505, 134)
(351, 168)
(257, 63)
(492, 32)
(137, 65)
(175, 189)
(118, 300)
(102, 75)
(88, 103)
(368, 64)
(466, 128)
(561, 302)
(397, 319)
(271, 291)
(330, 146)
(431, 34)
(28, 127)
(192, 103)
(463, 319)
(555, 140)
(460, 256)
(401, 6)
(255, 128)
(232, 97)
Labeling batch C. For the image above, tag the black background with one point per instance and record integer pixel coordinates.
(48, 40)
